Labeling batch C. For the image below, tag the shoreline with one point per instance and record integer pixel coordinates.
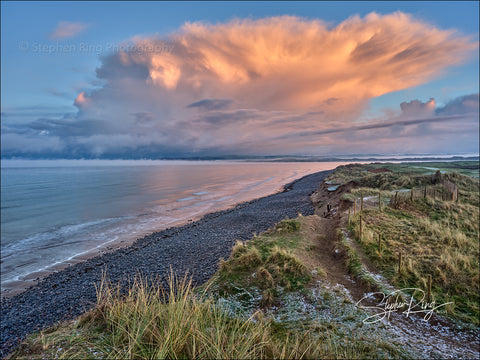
(20, 284)
(194, 248)
(16, 287)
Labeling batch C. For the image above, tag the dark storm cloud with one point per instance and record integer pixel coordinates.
(462, 105)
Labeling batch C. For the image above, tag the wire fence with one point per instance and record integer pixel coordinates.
(446, 191)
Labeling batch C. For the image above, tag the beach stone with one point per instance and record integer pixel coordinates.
(194, 248)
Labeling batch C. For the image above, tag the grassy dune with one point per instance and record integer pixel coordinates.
(435, 237)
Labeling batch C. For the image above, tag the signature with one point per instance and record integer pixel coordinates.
(394, 302)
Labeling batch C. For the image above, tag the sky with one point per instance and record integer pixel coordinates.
(192, 79)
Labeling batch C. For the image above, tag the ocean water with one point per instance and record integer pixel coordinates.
(53, 212)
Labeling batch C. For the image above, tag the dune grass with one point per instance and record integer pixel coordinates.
(405, 175)
(150, 323)
(440, 242)
(266, 262)
(435, 237)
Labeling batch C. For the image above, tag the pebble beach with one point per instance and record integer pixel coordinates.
(194, 249)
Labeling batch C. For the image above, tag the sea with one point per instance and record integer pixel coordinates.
(58, 212)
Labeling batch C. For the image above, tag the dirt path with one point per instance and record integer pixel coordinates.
(436, 337)
(329, 254)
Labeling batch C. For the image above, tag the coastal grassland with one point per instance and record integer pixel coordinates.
(435, 237)
(467, 168)
(268, 300)
(356, 172)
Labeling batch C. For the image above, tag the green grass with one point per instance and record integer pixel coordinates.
(405, 175)
(358, 192)
(467, 168)
(356, 267)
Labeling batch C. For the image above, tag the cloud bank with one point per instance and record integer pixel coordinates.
(270, 86)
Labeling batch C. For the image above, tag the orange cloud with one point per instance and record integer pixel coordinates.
(68, 29)
(272, 85)
(81, 100)
(291, 63)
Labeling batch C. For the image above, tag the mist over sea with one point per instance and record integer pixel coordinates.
(54, 211)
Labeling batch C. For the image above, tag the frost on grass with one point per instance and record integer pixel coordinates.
(243, 303)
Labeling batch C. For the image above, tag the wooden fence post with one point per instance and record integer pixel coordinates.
(361, 202)
(399, 263)
(355, 207)
(411, 195)
(429, 288)
(361, 227)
